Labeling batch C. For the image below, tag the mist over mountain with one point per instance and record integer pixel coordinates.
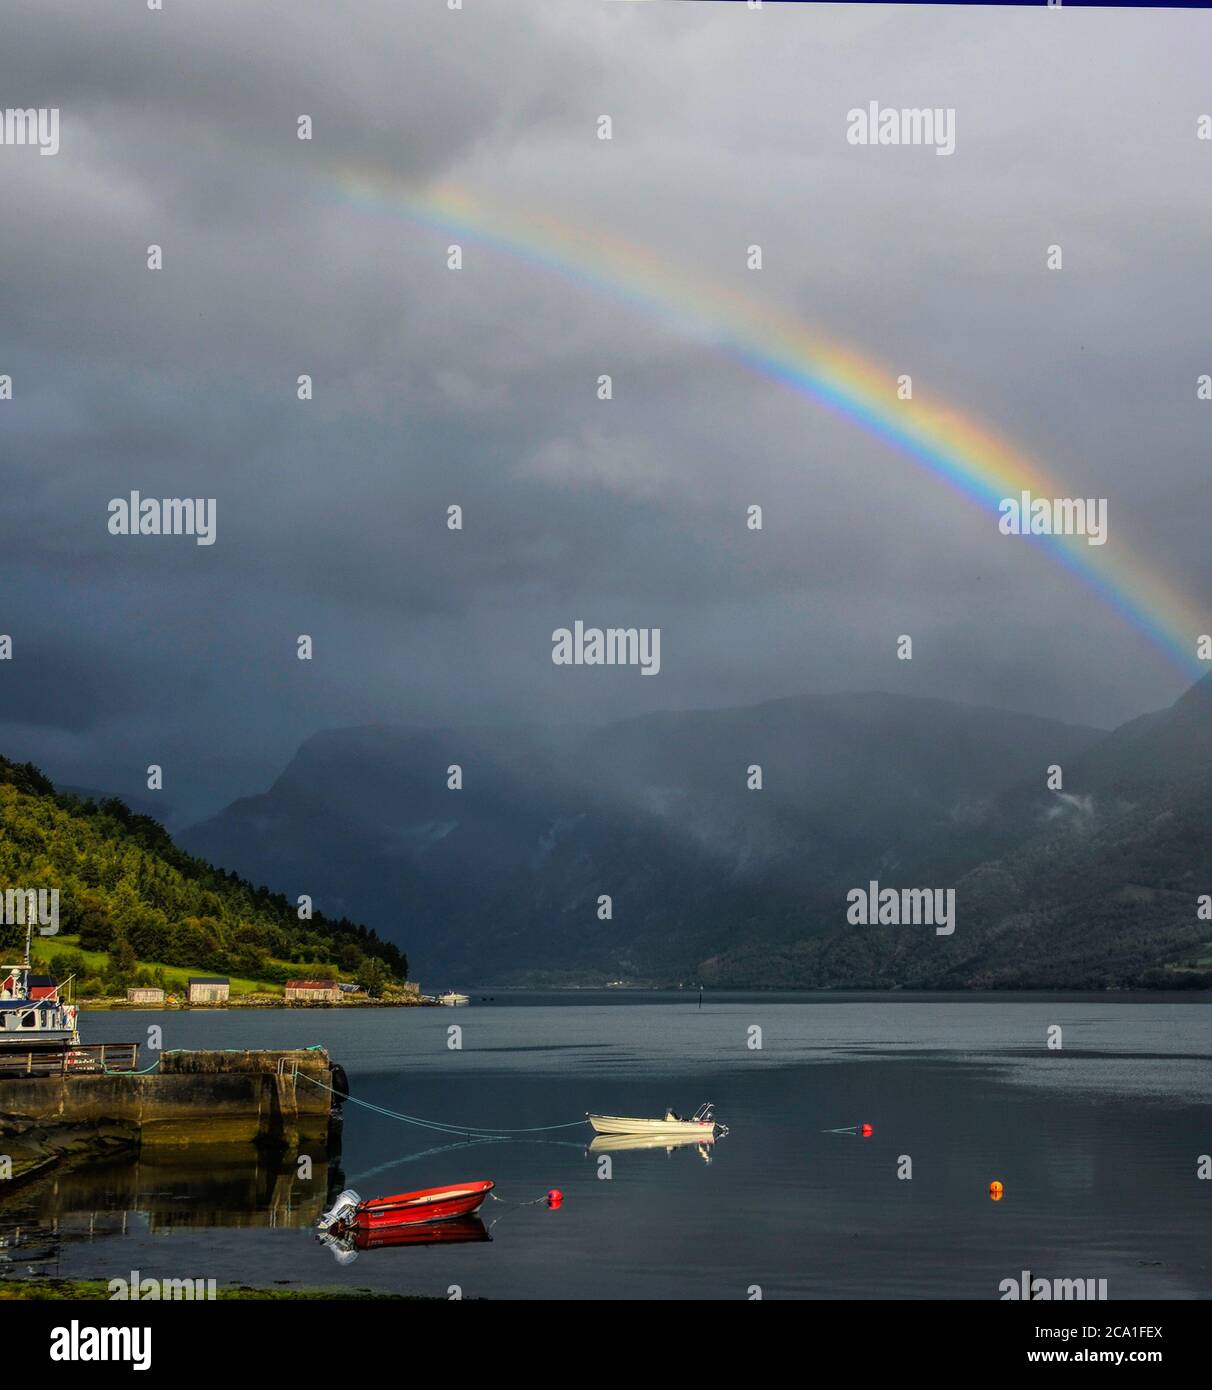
(1094, 885)
(709, 879)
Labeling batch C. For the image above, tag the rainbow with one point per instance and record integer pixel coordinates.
(953, 448)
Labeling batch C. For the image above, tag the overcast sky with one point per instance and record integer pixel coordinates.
(478, 387)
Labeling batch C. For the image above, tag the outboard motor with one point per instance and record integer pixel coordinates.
(341, 1212)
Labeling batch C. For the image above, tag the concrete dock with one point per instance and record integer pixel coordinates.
(194, 1098)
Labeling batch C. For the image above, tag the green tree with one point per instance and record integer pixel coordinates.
(120, 971)
(374, 977)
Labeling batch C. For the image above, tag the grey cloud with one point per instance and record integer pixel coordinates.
(478, 388)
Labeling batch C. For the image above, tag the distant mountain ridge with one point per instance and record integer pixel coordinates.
(500, 881)
(1094, 886)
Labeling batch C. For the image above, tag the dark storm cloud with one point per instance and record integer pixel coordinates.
(479, 387)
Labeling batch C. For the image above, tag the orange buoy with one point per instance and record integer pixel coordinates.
(996, 1190)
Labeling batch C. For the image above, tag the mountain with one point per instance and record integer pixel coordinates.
(125, 889)
(1095, 885)
(501, 880)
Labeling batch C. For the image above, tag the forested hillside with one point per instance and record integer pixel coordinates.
(125, 889)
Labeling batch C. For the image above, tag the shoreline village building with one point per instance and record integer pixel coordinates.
(208, 989)
(145, 994)
(312, 992)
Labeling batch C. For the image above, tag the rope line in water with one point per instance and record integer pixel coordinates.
(467, 1143)
(441, 1126)
(412, 1158)
(534, 1202)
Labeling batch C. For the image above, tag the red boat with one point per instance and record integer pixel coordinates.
(350, 1213)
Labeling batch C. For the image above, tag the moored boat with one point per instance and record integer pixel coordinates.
(701, 1123)
(33, 1018)
(461, 1230)
(39, 1028)
(431, 1204)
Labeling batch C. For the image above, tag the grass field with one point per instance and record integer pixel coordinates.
(177, 975)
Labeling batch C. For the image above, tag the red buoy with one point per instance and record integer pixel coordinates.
(867, 1131)
(554, 1198)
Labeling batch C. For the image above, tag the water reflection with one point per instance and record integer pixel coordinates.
(625, 1143)
(242, 1189)
(155, 1192)
(462, 1231)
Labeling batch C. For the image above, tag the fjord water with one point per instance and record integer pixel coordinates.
(1097, 1146)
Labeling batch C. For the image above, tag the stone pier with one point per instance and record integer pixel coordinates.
(194, 1098)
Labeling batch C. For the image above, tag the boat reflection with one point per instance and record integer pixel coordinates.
(627, 1143)
(346, 1248)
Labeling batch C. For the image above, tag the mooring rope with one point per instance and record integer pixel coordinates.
(534, 1202)
(411, 1158)
(440, 1126)
(130, 1071)
(468, 1143)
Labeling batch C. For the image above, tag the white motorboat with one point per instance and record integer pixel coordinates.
(699, 1125)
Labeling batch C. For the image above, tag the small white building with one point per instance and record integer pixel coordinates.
(208, 989)
(145, 994)
(312, 992)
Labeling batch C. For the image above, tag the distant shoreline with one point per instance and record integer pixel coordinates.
(114, 1006)
(720, 993)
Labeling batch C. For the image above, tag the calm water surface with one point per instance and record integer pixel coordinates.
(1097, 1146)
